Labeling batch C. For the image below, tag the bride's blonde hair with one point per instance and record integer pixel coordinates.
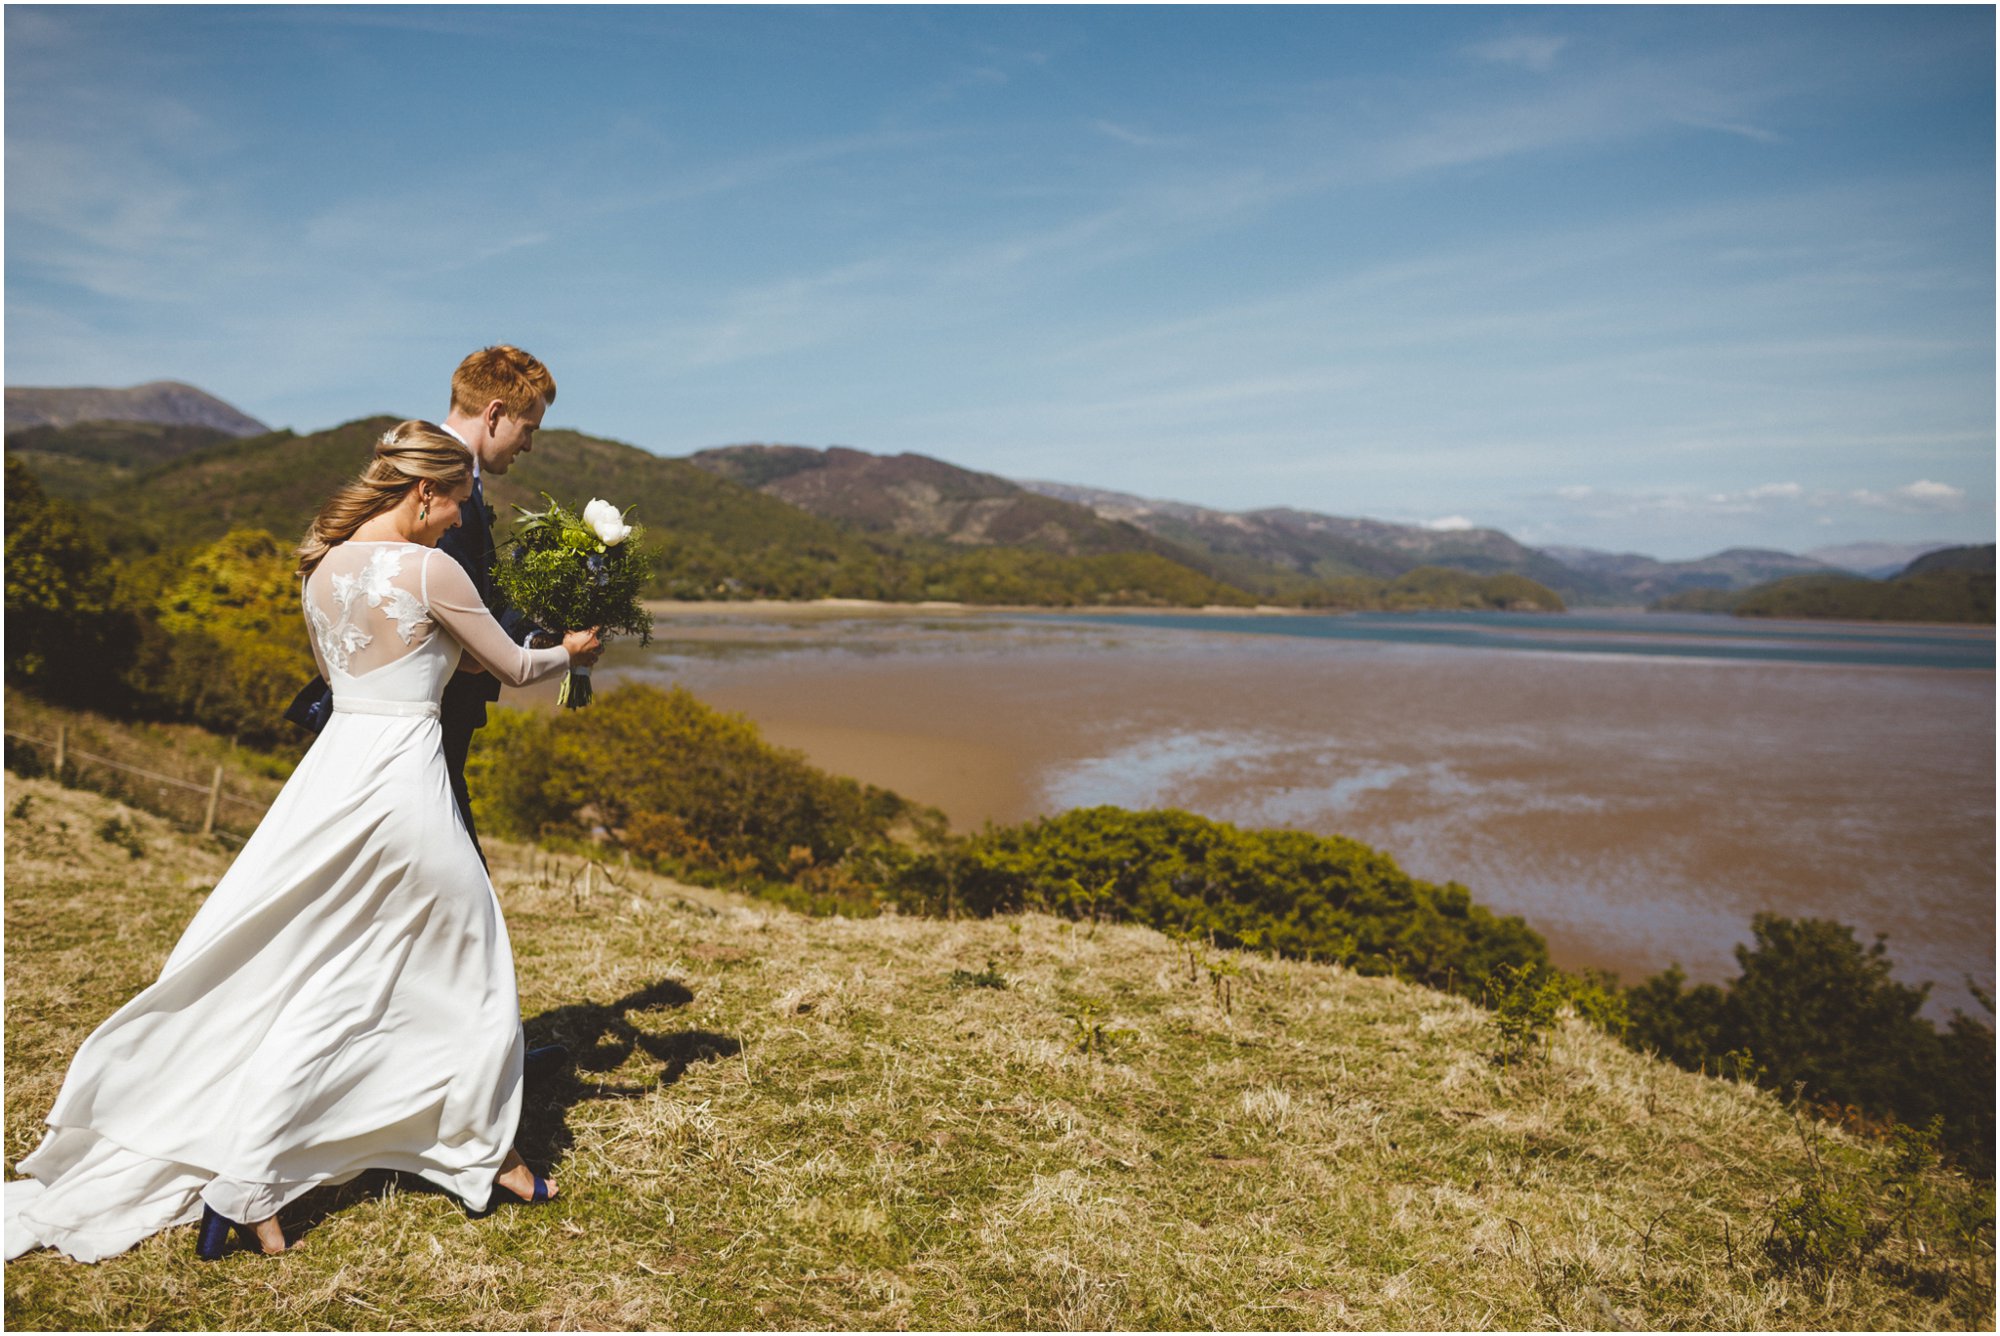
(407, 454)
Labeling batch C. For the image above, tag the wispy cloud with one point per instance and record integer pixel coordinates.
(1450, 524)
(1920, 497)
(1537, 53)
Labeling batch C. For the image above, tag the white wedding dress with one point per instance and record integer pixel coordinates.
(344, 999)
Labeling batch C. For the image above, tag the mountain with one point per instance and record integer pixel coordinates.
(1278, 551)
(916, 496)
(1646, 578)
(163, 401)
(1876, 560)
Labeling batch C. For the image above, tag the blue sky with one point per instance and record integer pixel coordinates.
(1659, 280)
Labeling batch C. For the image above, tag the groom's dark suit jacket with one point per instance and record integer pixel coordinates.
(466, 696)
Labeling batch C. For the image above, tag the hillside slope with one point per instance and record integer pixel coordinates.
(164, 401)
(1018, 1123)
(77, 462)
(715, 537)
(917, 496)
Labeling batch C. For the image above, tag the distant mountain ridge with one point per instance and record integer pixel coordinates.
(1649, 578)
(169, 402)
(1280, 547)
(1876, 560)
(917, 496)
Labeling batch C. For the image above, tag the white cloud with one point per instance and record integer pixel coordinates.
(1776, 491)
(1450, 524)
(1530, 52)
(1917, 497)
(1576, 492)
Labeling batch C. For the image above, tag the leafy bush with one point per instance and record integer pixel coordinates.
(1303, 895)
(677, 783)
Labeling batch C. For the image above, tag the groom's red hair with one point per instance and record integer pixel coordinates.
(501, 372)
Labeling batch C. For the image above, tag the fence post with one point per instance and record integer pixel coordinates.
(62, 749)
(214, 799)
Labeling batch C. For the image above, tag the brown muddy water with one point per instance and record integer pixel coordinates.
(1636, 810)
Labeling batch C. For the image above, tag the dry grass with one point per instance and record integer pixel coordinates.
(781, 1122)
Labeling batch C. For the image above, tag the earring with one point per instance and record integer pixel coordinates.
(425, 513)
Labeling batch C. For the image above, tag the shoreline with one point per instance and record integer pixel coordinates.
(869, 607)
(866, 607)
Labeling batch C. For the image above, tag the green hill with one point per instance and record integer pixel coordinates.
(1939, 593)
(1013, 1123)
(717, 538)
(1951, 585)
(78, 462)
(1978, 560)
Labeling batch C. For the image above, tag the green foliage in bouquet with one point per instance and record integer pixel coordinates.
(569, 571)
(561, 573)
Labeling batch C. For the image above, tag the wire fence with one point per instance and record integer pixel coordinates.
(65, 755)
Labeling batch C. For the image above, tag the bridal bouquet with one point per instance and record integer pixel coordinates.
(569, 571)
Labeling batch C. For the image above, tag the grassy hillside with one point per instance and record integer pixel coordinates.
(1021, 1122)
(717, 538)
(78, 462)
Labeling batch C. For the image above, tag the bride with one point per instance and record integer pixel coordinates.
(344, 999)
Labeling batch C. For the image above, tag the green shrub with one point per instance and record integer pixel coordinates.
(1302, 895)
(677, 783)
(66, 636)
(1815, 1009)
(1526, 1002)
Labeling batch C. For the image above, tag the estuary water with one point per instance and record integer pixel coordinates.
(1636, 786)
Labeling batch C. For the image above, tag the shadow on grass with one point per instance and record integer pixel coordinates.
(600, 1039)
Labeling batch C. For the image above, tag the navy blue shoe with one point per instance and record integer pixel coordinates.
(213, 1241)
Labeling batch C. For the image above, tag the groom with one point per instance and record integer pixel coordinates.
(498, 396)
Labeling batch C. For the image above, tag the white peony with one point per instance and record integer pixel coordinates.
(605, 521)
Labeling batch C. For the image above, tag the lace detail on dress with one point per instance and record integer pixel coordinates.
(340, 641)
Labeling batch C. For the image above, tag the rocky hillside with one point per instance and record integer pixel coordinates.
(917, 496)
(780, 1122)
(163, 401)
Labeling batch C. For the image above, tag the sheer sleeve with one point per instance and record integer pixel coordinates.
(455, 606)
(312, 632)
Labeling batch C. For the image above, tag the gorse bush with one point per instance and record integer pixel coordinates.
(1302, 895)
(236, 651)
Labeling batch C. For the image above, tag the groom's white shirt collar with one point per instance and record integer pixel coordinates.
(467, 444)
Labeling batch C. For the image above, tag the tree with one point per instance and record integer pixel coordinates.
(63, 625)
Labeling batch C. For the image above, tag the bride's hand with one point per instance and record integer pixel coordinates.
(583, 647)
